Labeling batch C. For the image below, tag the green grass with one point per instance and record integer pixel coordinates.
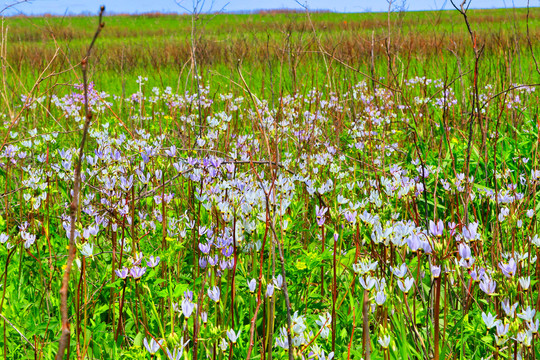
(359, 132)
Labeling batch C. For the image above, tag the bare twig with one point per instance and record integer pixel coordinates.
(475, 112)
(17, 330)
(12, 5)
(269, 219)
(529, 41)
(64, 338)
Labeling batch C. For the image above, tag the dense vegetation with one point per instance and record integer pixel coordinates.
(327, 186)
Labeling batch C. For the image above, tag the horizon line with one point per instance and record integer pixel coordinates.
(262, 11)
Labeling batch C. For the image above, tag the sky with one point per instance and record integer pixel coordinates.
(74, 7)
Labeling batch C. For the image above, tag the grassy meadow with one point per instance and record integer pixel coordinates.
(278, 185)
(272, 48)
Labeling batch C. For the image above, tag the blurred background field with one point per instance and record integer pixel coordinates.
(275, 47)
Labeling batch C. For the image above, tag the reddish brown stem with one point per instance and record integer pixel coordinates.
(73, 209)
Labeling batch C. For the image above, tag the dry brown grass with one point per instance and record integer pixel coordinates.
(263, 37)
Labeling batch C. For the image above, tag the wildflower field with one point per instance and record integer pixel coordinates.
(285, 185)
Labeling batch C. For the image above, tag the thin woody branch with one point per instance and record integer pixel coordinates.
(65, 336)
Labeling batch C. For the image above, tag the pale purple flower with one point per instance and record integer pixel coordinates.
(171, 152)
(477, 275)
(488, 285)
(470, 232)
(202, 230)
(522, 337)
(87, 249)
(29, 239)
(535, 240)
(154, 346)
(269, 290)
(205, 248)
(367, 283)
(350, 216)
(223, 344)
(136, 261)
(465, 251)
(187, 307)
(467, 264)
(509, 309)
(152, 262)
(406, 285)
(137, 272)
(423, 171)
(223, 264)
(122, 274)
(176, 354)
(401, 271)
(508, 269)
(436, 229)
(204, 317)
(252, 284)
(323, 356)
(527, 314)
(188, 294)
(227, 251)
(384, 341)
(321, 214)
(426, 246)
(452, 228)
(435, 271)
(213, 260)
(214, 293)
(414, 242)
(503, 214)
(380, 297)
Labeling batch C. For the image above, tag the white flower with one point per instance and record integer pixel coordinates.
(368, 282)
(325, 320)
(380, 297)
(401, 271)
(509, 310)
(384, 341)
(223, 345)
(527, 314)
(298, 324)
(490, 320)
(325, 332)
(525, 282)
(153, 347)
(406, 285)
(535, 240)
(322, 356)
(177, 352)
(87, 249)
(533, 326)
(233, 337)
